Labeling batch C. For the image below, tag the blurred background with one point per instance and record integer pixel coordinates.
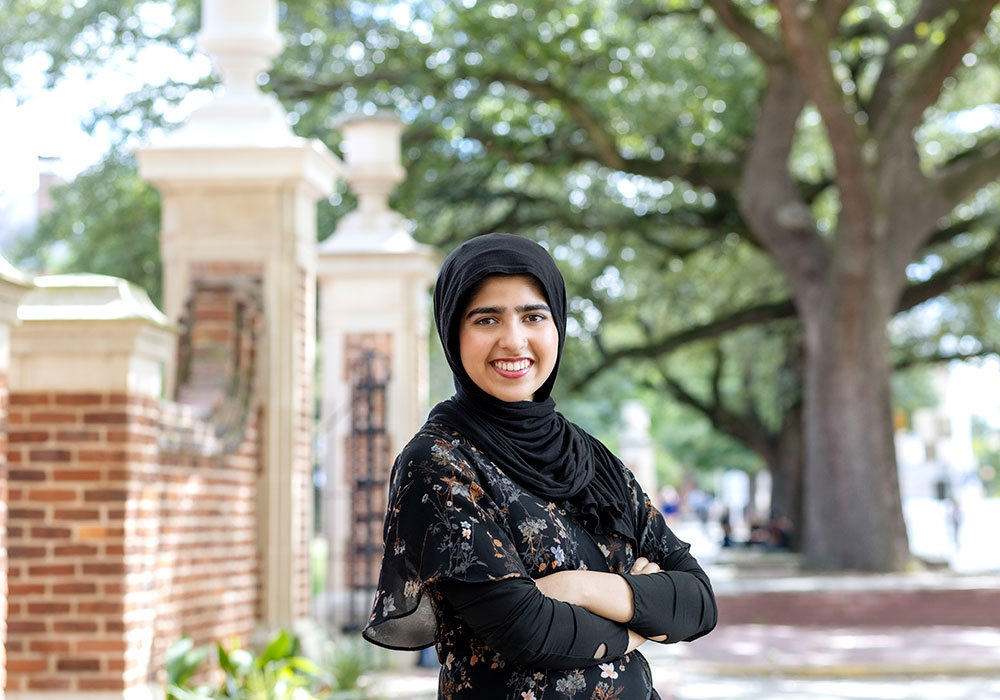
(779, 227)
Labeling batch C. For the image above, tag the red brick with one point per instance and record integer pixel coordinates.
(25, 627)
(74, 588)
(91, 645)
(52, 570)
(50, 683)
(101, 684)
(25, 552)
(19, 399)
(79, 399)
(86, 475)
(16, 436)
(87, 455)
(48, 608)
(77, 435)
(106, 417)
(52, 417)
(26, 513)
(71, 664)
(104, 568)
(51, 495)
(74, 626)
(23, 589)
(75, 550)
(105, 495)
(76, 514)
(50, 455)
(30, 665)
(46, 646)
(27, 475)
(50, 533)
(99, 607)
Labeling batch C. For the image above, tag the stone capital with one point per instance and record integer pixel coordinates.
(90, 333)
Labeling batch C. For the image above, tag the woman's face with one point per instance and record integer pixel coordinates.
(508, 339)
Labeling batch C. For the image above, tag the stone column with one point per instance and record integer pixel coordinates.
(239, 194)
(13, 287)
(636, 447)
(374, 280)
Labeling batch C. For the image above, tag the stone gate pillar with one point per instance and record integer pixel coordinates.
(239, 195)
(374, 322)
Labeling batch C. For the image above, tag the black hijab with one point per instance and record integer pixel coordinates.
(529, 440)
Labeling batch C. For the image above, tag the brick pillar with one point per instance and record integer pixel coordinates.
(227, 210)
(13, 287)
(86, 373)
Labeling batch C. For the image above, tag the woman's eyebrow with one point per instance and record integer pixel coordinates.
(500, 309)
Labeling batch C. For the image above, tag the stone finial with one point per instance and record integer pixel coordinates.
(241, 37)
(372, 169)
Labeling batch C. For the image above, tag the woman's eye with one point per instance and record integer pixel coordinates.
(486, 321)
(534, 318)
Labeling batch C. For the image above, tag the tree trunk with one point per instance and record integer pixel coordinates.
(854, 517)
(786, 465)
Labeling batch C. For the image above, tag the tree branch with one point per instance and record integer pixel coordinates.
(914, 360)
(977, 267)
(751, 433)
(669, 343)
(767, 48)
(807, 39)
(925, 79)
(882, 92)
(970, 171)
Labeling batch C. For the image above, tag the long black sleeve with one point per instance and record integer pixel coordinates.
(514, 618)
(677, 601)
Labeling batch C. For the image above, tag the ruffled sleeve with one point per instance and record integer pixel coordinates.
(440, 525)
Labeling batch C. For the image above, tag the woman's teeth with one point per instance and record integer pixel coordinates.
(512, 366)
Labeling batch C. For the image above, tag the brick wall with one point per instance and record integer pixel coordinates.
(3, 531)
(133, 520)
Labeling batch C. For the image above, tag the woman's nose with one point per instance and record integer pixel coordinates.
(513, 338)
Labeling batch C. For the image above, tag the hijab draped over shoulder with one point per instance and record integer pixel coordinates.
(528, 440)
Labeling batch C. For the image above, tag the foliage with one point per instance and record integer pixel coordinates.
(106, 221)
(278, 672)
(986, 447)
(624, 136)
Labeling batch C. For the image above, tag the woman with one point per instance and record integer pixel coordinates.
(515, 541)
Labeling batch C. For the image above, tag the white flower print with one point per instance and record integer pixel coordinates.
(532, 526)
(388, 604)
(528, 695)
(466, 529)
(559, 554)
(608, 671)
(572, 683)
(412, 588)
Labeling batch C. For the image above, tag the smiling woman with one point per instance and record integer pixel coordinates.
(516, 542)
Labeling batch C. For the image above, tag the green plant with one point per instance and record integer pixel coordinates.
(277, 673)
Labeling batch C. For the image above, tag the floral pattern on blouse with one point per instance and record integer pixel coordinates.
(454, 515)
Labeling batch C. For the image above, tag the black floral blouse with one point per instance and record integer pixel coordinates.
(453, 515)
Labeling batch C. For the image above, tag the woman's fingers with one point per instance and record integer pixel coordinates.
(644, 566)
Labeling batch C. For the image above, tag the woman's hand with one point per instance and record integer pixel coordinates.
(644, 566)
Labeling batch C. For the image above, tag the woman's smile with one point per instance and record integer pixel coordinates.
(512, 368)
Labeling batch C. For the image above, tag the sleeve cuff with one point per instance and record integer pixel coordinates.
(647, 616)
